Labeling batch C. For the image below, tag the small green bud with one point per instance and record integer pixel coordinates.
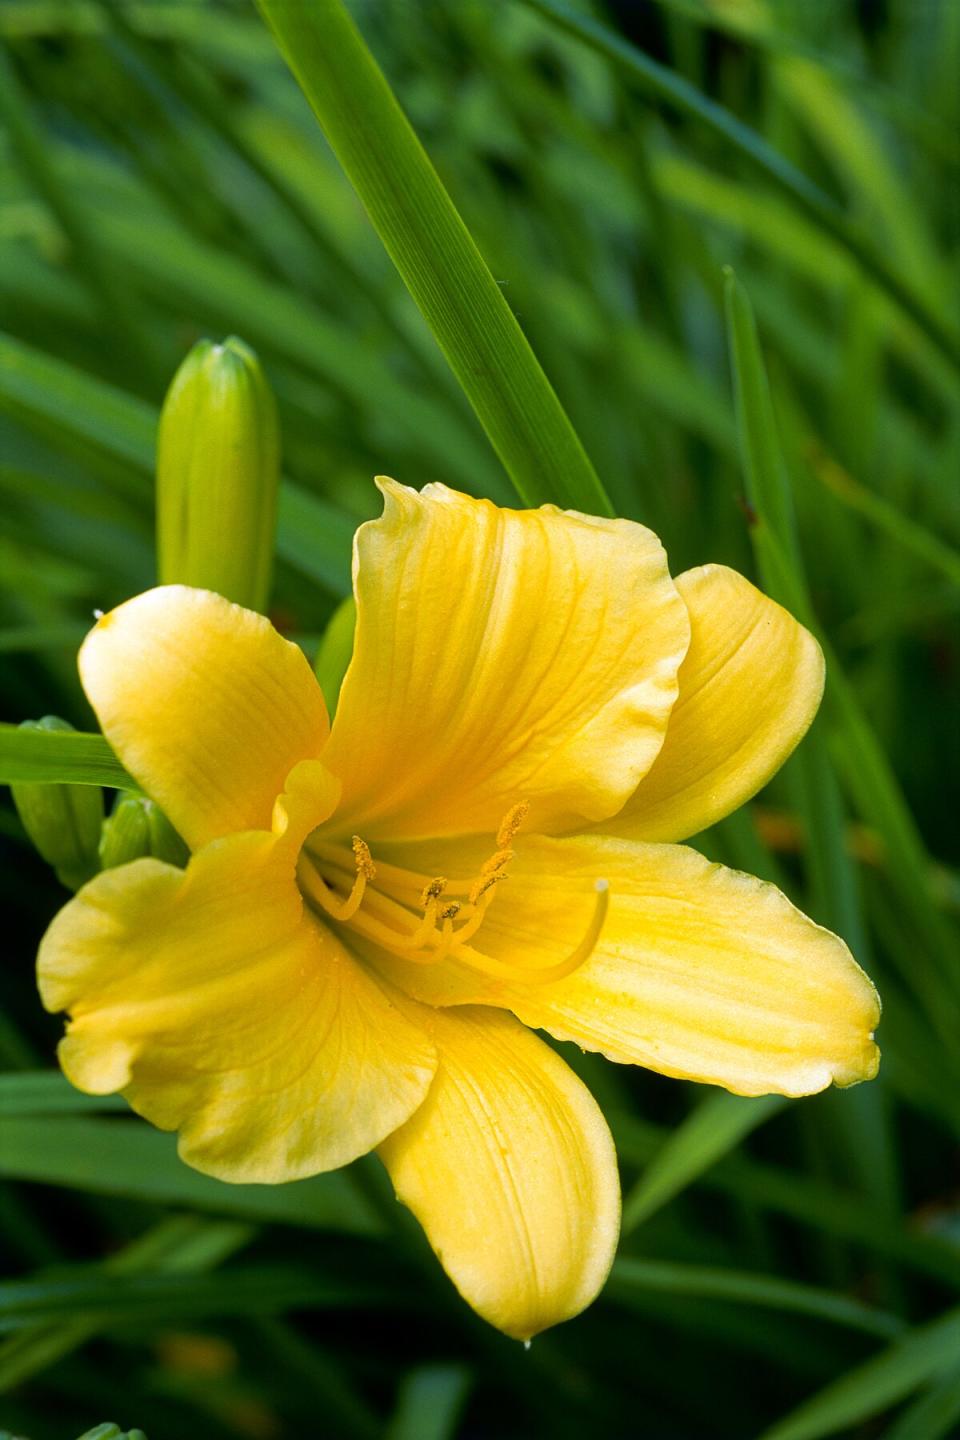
(138, 827)
(218, 472)
(63, 821)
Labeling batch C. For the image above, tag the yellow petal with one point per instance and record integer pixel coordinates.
(700, 972)
(206, 705)
(749, 687)
(510, 1168)
(223, 1012)
(501, 656)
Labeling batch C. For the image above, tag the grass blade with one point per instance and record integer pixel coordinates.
(700, 1282)
(126, 1157)
(435, 255)
(63, 756)
(685, 98)
(922, 1355)
(715, 1127)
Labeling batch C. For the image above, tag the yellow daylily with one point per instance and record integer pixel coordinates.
(373, 913)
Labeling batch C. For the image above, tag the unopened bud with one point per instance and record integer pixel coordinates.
(218, 471)
(138, 827)
(63, 821)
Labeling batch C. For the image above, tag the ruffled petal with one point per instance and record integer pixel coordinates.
(501, 656)
(206, 705)
(700, 972)
(510, 1168)
(750, 686)
(223, 1012)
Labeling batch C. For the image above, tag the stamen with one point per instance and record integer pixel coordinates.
(511, 823)
(433, 890)
(319, 891)
(482, 885)
(363, 858)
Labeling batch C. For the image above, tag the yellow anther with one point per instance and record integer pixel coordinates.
(482, 885)
(363, 858)
(511, 823)
(450, 912)
(433, 890)
(497, 862)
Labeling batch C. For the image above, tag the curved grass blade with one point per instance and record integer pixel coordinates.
(66, 757)
(925, 1354)
(701, 1282)
(715, 1127)
(128, 1158)
(685, 98)
(435, 254)
(934, 1415)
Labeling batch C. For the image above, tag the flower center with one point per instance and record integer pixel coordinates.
(427, 923)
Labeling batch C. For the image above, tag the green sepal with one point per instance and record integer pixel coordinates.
(136, 828)
(62, 821)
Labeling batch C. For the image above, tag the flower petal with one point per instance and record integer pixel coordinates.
(223, 1012)
(500, 656)
(749, 688)
(700, 971)
(510, 1168)
(206, 705)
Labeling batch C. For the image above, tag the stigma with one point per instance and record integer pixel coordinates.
(423, 923)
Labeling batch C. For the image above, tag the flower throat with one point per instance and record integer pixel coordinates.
(436, 920)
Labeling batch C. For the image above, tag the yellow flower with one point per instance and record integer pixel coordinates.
(373, 914)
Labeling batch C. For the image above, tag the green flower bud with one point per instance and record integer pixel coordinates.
(218, 471)
(138, 827)
(63, 821)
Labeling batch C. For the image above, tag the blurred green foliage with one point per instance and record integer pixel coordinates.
(787, 1271)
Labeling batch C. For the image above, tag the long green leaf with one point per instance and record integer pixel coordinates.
(630, 1276)
(435, 255)
(47, 1092)
(182, 1244)
(65, 756)
(164, 1299)
(127, 1157)
(922, 1355)
(862, 764)
(684, 97)
(715, 1127)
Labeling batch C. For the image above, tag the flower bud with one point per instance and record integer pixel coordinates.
(138, 827)
(218, 471)
(63, 821)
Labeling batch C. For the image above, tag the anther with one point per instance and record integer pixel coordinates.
(450, 912)
(363, 859)
(482, 885)
(319, 891)
(511, 823)
(433, 890)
